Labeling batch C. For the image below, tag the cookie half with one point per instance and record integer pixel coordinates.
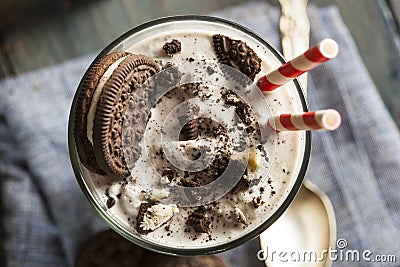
(107, 91)
(236, 54)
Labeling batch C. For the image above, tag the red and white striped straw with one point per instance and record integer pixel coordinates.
(313, 57)
(326, 119)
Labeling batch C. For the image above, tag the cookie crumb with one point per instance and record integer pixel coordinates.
(172, 47)
(199, 220)
(110, 202)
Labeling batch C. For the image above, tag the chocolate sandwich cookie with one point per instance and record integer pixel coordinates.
(160, 260)
(110, 88)
(107, 248)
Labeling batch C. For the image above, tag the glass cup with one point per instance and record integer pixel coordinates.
(288, 152)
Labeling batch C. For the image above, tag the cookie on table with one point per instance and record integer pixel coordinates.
(107, 249)
(160, 260)
(110, 87)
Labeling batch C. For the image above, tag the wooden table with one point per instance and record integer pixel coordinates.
(36, 35)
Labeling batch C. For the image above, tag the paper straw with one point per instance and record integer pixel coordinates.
(327, 119)
(313, 57)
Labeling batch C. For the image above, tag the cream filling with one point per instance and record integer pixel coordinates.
(96, 97)
(157, 215)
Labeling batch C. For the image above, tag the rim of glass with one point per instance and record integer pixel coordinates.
(182, 251)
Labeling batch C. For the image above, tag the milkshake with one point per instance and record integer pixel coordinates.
(202, 171)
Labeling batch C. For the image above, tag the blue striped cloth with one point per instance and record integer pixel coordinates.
(46, 216)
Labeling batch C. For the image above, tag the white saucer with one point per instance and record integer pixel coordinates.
(302, 234)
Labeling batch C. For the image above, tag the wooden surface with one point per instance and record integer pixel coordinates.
(34, 36)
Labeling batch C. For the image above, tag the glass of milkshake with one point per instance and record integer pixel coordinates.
(197, 167)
